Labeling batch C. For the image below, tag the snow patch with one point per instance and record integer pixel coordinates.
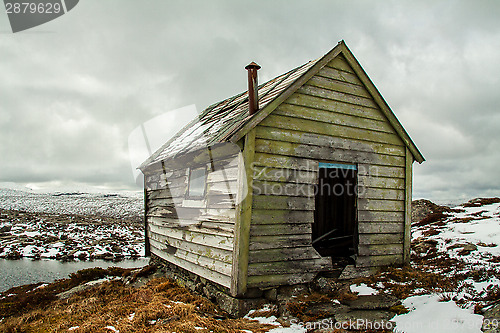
(363, 290)
(429, 315)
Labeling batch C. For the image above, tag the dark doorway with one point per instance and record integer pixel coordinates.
(334, 232)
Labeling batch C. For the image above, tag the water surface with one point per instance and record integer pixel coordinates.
(25, 271)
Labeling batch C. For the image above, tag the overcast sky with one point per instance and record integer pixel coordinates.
(72, 90)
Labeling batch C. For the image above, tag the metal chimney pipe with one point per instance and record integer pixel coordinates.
(253, 94)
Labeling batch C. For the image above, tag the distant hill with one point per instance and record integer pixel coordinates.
(129, 205)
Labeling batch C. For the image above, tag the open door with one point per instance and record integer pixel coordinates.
(335, 232)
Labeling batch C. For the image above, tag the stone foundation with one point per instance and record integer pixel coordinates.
(237, 307)
(254, 298)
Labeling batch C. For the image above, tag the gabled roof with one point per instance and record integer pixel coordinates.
(229, 121)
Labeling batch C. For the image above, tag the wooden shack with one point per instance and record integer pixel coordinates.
(266, 190)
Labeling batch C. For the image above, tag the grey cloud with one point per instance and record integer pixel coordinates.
(72, 90)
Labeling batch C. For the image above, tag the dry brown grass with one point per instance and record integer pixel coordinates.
(28, 297)
(432, 218)
(481, 202)
(160, 306)
(266, 312)
(402, 282)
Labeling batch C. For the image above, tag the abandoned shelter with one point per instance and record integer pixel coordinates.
(269, 187)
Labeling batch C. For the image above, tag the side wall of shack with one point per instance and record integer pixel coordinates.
(194, 234)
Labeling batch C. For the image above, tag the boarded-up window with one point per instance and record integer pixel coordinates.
(197, 182)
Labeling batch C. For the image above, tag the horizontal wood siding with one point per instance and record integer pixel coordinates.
(331, 118)
(195, 234)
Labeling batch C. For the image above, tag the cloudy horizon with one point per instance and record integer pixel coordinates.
(73, 90)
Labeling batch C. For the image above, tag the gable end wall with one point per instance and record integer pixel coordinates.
(332, 118)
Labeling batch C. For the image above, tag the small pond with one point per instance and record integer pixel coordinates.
(25, 271)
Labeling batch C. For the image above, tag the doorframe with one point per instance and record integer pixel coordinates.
(346, 166)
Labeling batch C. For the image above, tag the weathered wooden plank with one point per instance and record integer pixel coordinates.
(222, 214)
(377, 261)
(279, 134)
(336, 74)
(285, 216)
(279, 241)
(175, 212)
(167, 192)
(227, 227)
(380, 227)
(206, 273)
(283, 202)
(283, 254)
(218, 241)
(287, 267)
(335, 106)
(366, 239)
(227, 162)
(164, 183)
(337, 96)
(380, 193)
(324, 153)
(408, 198)
(341, 63)
(159, 194)
(286, 189)
(201, 249)
(226, 174)
(338, 85)
(221, 188)
(192, 214)
(218, 152)
(162, 198)
(380, 216)
(383, 249)
(280, 229)
(284, 175)
(214, 265)
(197, 259)
(382, 171)
(154, 176)
(381, 182)
(280, 279)
(330, 117)
(276, 161)
(226, 221)
(147, 245)
(221, 201)
(292, 123)
(192, 225)
(239, 274)
(385, 205)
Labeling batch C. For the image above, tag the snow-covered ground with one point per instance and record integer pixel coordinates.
(126, 204)
(69, 238)
(463, 247)
(70, 225)
(469, 240)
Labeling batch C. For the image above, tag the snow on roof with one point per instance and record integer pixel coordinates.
(219, 121)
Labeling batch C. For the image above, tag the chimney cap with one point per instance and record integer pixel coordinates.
(252, 65)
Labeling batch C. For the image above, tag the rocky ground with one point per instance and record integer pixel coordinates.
(452, 284)
(69, 236)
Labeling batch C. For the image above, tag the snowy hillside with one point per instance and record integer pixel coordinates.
(109, 205)
(69, 226)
